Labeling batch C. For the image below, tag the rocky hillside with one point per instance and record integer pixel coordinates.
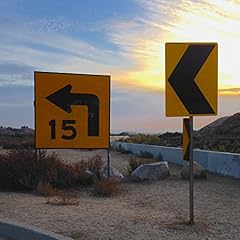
(223, 135)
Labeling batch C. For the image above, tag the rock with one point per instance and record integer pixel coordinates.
(113, 173)
(87, 177)
(151, 171)
(198, 171)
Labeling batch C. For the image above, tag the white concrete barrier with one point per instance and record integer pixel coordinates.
(14, 231)
(227, 164)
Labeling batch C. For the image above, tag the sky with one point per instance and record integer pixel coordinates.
(121, 38)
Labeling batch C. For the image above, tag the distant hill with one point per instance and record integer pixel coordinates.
(16, 131)
(213, 125)
(222, 134)
(15, 138)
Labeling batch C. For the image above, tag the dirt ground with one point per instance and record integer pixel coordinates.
(149, 210)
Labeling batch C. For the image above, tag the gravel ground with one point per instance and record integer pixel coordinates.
(149, 210)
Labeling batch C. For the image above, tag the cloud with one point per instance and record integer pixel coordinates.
(133, 53)
(201, 21)
(13, 73)
(141, 39)
(229, 91)
(141, 45)
(22, 46)
(8, 68)
(50, 25)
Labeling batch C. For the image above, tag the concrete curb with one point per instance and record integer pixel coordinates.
(10, 230)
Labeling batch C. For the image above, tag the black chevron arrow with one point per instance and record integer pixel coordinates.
(183, 76)
(64, 99)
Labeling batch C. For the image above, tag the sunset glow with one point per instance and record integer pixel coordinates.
(125, 39)
(205, 21)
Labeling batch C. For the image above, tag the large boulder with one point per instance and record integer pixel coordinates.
(113, 173)
(151, 171)
(198, 171)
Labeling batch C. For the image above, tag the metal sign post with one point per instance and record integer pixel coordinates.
(191, 221)
(108, 162)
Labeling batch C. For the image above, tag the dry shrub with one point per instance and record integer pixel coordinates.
(20, 171)
(95, 164)
(136, 162)
(107, 187)
(17, 170)
(53, 170)
(63, 198)
(79, 167)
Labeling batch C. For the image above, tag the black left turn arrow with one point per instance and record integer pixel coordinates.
(64, 99)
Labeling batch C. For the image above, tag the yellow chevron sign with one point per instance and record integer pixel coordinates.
(186, 139)
(191, 79)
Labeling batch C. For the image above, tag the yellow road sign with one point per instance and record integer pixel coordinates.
(186, 139)
(72, 110)
(191, 79)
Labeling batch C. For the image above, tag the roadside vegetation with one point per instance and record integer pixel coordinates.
(107, 187)
(51, 177)
(202, 140)
(16, 138)
(17, 141)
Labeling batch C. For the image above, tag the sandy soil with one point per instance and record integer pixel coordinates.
(150, 210)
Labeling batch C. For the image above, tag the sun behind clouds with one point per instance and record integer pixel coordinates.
(184, 21)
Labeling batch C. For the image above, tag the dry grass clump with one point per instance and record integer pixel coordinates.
(55, 196)
(63, 198)
(107, 187)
